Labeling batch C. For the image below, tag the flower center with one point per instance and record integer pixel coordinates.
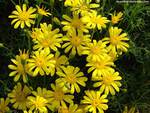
(58, 95)
(100, 65)
(20, 96)
(95, 50)
(77, 23)
(40, 62)
(115, 19)
(71, 79)
(23, 16)
(107, 80)
(76, 41)
(95, 102)
(40, 102)
(83, 7)
(45, 42)
(114, 40)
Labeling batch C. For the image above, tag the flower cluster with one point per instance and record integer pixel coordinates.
(50, 59)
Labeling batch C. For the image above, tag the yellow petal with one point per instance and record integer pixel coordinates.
(22, 24)
(13, 21)
(24, 7)
(17, 24)
(18, 8)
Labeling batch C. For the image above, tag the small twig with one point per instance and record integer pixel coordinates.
(13, 2)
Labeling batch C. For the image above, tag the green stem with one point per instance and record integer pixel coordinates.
(44, 80)
(29, 40)
(93, 33)
(52, 8)
(104, 1)
(39, 20)
(13, 2)
(9, 50)
(29, 43)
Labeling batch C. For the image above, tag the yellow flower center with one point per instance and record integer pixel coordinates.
(95, 102)
(23, 16)
(40, 62)
(20, 96)
(83, 7)
(71, 79)
(107, 80)
(95, 50)
(77, 23)
(114, 40)
(75, 41)
(45, 43)
(40, 102)
(100, 65)
(115, 19)
(58, 95)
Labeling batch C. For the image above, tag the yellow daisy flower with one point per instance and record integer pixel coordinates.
(37, 104)
(23, 16)
(74, 23)
(59, 96)
(18, 96)
(115, 18)
(109, 82)
(42, 92)
(85, 6)
(40, 62)
(100, 67)
(95, 50)
(96, 103)
(60, 60)
(71, 77)
(4, 105)
(47, 38)
(43, 11)
(73, 108)
(82, 6)
(20, 67)
(93, 20)
(117, 41)
(75, 42)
